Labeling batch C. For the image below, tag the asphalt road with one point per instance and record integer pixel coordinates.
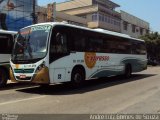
(139, 94)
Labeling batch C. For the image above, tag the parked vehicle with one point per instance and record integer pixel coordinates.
(51, 53)
(152, 62)
(6, 45)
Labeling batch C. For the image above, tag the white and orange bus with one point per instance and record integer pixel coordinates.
(49, 53)
(6, 44)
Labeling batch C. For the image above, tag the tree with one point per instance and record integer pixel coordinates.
(153, 45)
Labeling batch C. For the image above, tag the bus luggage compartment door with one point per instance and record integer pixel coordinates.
(59, 75)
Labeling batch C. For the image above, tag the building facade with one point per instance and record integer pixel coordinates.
(59, 17)
(133, 26)
(96, 14)
(99, 13)
(16, 14)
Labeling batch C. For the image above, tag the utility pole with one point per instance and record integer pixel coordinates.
(34, 12)
(51, 12)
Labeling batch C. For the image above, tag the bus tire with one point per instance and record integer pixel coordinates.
(77, 77)
(3, 77)
(128, 71)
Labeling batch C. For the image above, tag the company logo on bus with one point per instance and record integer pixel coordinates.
(92, 58)
(17, 66)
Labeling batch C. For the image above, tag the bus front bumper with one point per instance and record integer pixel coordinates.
(41, 77)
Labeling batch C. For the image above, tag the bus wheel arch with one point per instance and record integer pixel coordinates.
(78, 76)
(4, 76)
(128, 70)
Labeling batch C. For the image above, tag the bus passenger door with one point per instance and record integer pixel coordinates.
(58, 55)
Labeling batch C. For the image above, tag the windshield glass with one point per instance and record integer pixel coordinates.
(31, 43)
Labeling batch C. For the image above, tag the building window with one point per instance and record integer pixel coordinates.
(94, 2)
(109, 20)
(119, 24)
(95, 17)
(106, 19)
(147, 31)
(103, 19)
(100, 17)
(137, 30)
(125, 25)
(83, 16)
(133, 28)
(141, 31)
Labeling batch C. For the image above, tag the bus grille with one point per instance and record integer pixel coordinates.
(23, 70)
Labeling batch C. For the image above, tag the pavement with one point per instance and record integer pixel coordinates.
(138, 95)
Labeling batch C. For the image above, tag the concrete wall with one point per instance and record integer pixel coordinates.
(132, 20)
(69, 11)
(60, 16)
(73, 4)
(73, 19)
(103, 25)
(84, 10)
(87, 9)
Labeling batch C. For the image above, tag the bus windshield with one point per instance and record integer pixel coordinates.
(31, 43)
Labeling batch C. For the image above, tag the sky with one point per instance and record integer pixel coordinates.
(144, 9)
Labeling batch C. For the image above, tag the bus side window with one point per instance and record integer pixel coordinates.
(59, 43)
(78, 40)
(10, 44)
(135, 50)
(6, 44)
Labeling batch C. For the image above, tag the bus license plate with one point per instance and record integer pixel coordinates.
(22, 76)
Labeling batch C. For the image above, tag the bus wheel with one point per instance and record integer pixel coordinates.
(128, 71)
(77, 78)
(3, 78)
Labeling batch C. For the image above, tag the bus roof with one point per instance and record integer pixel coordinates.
(8, 32)
(85, 28)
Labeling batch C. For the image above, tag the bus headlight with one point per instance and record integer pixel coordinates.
(40, 67)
